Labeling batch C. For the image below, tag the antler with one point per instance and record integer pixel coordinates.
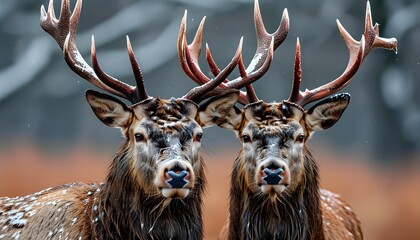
(64, 29)
(358, 50)
(266, 44)
(189, 54)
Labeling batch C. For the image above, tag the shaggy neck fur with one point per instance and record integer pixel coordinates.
(121, 209)
(295, 216)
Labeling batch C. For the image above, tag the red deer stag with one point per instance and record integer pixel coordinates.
(155, 182)
(275, 191)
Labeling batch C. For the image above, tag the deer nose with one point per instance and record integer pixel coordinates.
(177, 178)
(273, 175)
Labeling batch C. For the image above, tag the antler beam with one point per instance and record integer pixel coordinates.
(64, 29)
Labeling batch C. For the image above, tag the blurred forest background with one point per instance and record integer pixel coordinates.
(49, 136)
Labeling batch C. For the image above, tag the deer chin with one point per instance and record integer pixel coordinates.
(273, 189)
(175, 192)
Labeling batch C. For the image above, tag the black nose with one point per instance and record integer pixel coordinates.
(273, 175)
(177, 178)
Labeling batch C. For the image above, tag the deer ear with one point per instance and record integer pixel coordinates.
(327, 112)
(232, 120)
(109, 110)
(214, 111)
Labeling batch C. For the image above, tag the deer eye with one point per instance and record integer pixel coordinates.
(139, 137)
(246, 138)
(300, 138)
(198, 137)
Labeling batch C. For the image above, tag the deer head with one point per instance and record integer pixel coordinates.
(162, 136)
(274, 135)
(273, 139)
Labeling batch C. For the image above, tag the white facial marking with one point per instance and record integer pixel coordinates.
(273, 188)
(171, 192)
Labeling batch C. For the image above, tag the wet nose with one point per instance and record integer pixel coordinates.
(177, 178)
(273, 175)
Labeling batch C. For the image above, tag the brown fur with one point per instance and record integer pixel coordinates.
(130, 204)
(116, 209)
(303, 210)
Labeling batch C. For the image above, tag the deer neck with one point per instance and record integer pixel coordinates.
(122, 209)
(295, 216)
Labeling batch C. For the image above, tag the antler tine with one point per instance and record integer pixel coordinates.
(358, 50)
(56, 28)
(244, 97)
(194, 49)
(64, 32)
(297, 76)
(262, 58)
(250, 95)
(373, 31)
(134, 94)
(250, 77)
(260, 63)
(129, 92)
(201, 92)
(138, 75)
(188, 56)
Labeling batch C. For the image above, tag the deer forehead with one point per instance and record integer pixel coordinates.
(273, 117)
(166, 111)
(158, 128)
(275, 129)
(276, 111)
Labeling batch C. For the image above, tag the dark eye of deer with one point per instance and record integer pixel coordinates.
(246, 138)
(300, 138)
(198, 137)
(139, 137)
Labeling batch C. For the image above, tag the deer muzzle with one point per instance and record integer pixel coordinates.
(272, 175)
(175, 179)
